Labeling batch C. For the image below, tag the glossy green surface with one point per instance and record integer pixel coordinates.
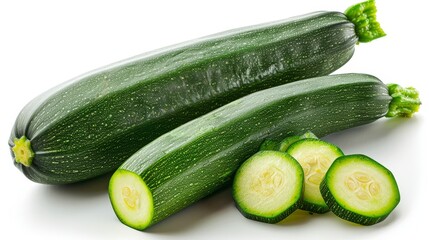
(201, 156)
(89, 126)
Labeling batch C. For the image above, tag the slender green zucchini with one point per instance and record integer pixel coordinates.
(360, 190)
(268, 186)
(201, 156)
(90, 125)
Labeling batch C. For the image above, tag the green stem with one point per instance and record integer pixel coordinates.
(22, 151)
(405, 101)
(363, 15)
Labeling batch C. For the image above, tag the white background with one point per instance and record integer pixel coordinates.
(43, 43)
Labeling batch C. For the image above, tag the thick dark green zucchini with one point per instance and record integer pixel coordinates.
(90, 125)
(201, 156)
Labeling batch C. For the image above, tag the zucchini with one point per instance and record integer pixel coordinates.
(360, 190)
(90, 125)
(285, 143)
(268, 186)
(201, 156)
(270, 144)
(315, 157)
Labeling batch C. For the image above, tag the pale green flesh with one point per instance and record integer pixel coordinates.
(131, 199)
(363, 186)
(315, 156)
(267, 184)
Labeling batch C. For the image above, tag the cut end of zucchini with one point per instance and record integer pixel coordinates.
(405, 101)
(268, 186)
(22, 151)
(315, 156)
(363, 15)
(360, 190)
(131, 199)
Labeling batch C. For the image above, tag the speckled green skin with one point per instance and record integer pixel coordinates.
(201, 156)
(90, 125)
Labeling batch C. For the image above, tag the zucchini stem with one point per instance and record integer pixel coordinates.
(363, 15)
(405, 101)
(22, 151)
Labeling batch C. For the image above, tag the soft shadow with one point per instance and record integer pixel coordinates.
(389, 220)
(193, 215)
(86, 189)
(374, 132)
(371, 228)
(68, 207)
(300, 217)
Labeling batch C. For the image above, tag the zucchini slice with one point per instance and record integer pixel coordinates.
(360, 190)
(268, 186)
(285, 143)
(269, 144)
(315, 157)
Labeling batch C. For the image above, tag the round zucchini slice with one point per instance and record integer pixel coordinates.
(315, 157)
(360, 190)
(268, 186)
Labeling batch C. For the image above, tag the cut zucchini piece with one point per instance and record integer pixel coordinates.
(284, 145)
(131, 199)
(269, 144)
(315, 157)
(268, 186)
(360, 190)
